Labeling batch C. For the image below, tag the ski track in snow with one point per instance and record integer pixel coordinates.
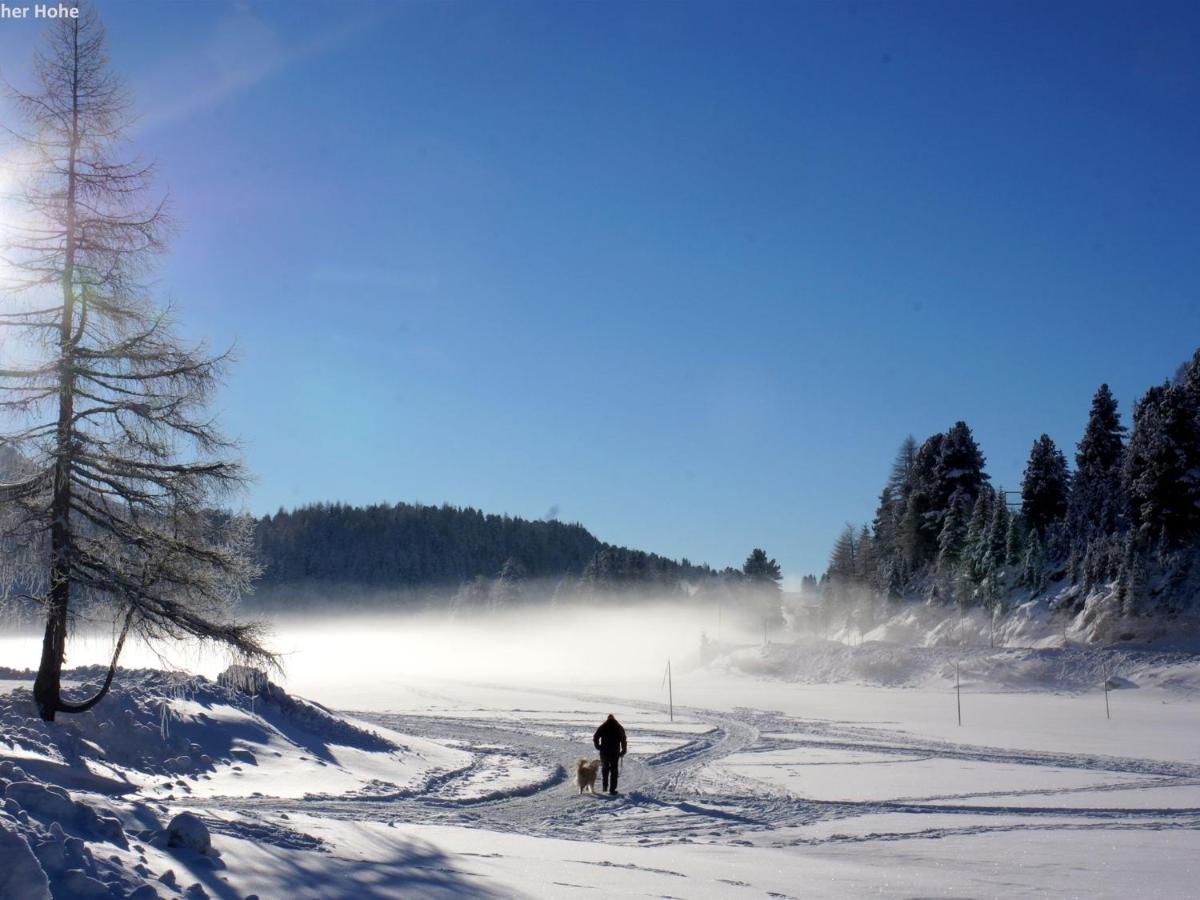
(688, 793)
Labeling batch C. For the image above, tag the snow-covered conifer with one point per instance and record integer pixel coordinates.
(1045, 486)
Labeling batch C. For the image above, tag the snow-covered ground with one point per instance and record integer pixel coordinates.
(790, 771)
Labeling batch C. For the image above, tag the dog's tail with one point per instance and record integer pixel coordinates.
(580, 764)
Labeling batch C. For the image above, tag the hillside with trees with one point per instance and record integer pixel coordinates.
(485, 560)
(1108, 546)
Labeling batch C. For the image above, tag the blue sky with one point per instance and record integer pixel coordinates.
(686, 272)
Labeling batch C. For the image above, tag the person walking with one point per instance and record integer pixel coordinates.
(609, 739)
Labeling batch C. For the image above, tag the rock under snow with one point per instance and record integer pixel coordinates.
(187, 831)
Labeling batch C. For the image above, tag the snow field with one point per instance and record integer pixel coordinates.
(763, 786)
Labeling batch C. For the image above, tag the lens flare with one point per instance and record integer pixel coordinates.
(9, 216)
(7, 213)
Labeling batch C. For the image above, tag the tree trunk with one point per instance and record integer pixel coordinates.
(47, 685)
(47, 688)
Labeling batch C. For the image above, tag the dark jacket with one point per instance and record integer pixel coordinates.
(609, 738)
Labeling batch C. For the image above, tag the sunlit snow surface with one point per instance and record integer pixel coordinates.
(890, 799)
(760, 787)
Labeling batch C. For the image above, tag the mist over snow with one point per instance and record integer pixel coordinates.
(623, 638)
(366, 654)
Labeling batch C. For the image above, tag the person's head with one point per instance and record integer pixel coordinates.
(611, 717)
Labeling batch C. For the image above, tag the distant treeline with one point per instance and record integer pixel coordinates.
(408, 547)
(1121, 526)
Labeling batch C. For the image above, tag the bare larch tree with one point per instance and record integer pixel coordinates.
(115, 509)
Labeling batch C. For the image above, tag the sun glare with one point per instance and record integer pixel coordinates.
(16, 346)
(8, 215)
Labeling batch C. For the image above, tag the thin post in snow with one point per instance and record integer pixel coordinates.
(670, 690)
(1107, 712)
(958, 693)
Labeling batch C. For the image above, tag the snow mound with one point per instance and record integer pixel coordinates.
(53, 843)
(161, 723)
(86, 799)
(20, 873)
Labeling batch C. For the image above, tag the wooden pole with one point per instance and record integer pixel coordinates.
(958, 692)
(670, 691)
(1107, 713)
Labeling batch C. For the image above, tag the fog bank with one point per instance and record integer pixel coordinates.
(334, 655)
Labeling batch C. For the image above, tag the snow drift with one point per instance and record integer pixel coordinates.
(87, 802)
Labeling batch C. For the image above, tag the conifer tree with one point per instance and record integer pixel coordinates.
(1014, 540)
(843, 565)
(900, 481)
(953, 533)
(1133, 582)
(762, 570)
(886, 525)
(1000, 534)
(1189, 379)
(1045, 486)
(894, 540)
(959, 466)
(763, 575)
(843, 561)
(922, 519)
(124, 464)
(1162, 467)
(977, 545)
(1096, 508)
(866, 560)
(1033, 568)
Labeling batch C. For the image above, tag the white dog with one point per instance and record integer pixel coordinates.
(585, 774)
